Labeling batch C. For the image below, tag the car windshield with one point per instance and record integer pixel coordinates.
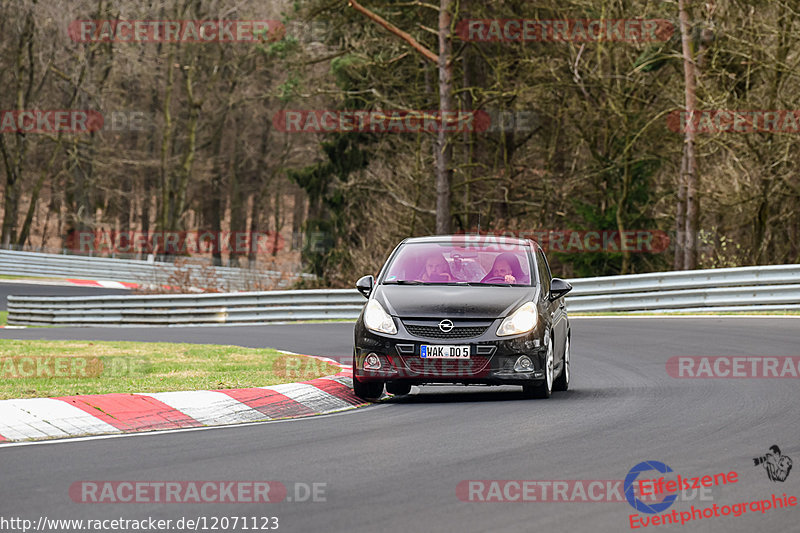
(460, 263)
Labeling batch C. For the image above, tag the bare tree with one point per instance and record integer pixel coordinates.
(444, 150)
(689, 179)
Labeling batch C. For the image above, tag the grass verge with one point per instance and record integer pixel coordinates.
(37, 369)
(3, 317)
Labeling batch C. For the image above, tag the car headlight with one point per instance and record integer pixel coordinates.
(376, 319)
(522, 320)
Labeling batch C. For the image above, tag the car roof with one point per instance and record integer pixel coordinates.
(469, 237)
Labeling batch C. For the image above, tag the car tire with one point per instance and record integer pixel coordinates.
(366, 390)
(398, 388)
(562, 381)
(369, 390)
(544, 389)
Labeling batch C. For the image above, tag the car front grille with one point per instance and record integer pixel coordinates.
(475, 366)
(433, 332)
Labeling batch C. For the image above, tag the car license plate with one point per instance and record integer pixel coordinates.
(443, 352)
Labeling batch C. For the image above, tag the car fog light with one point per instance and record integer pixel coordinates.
(523, 364)
(372, 362)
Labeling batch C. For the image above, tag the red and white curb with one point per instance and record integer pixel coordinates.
(104, 284)
(123, 285)
(72, 282)
(74, 416)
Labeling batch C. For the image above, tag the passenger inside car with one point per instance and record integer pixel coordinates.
(436, 269)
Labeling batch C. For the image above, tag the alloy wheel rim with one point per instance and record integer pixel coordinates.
(566, 361)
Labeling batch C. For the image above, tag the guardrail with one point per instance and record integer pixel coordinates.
(186, 309)
(726, 289)
(37, 264)
(765, 288)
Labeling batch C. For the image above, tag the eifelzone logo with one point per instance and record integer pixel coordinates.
(630, 481)
(777, 465)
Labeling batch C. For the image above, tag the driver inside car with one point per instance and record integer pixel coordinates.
(506, 267)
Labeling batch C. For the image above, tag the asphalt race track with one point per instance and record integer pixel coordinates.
(396, 466)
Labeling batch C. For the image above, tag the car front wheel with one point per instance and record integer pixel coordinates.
(562, 382)
(366, 390)
(544, 389)
(370, 390)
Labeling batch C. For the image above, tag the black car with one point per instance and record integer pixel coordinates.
(462, 309)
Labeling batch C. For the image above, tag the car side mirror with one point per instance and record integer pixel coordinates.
(558, 288)
(365, 285)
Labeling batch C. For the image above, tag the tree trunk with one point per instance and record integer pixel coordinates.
(691, 178)
(214, 204)
(191, 147)
(26, 225)
(298, 217)
(680, 218)
(15, 155)
(621, 206)
(277, 216)
(238, 203)
(466, 80)
(146, 198)
(255, 222)
(165, 173)
(444, 150)
(11, 197)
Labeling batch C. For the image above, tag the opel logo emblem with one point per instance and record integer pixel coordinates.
(446, 325)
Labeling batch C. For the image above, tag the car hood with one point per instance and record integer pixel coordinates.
(447, 301)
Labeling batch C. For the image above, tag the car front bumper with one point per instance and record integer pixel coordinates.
(491, 359)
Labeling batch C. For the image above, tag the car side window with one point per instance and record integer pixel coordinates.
(544, 272)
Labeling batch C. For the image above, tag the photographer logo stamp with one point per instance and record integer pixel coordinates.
(777, 465)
